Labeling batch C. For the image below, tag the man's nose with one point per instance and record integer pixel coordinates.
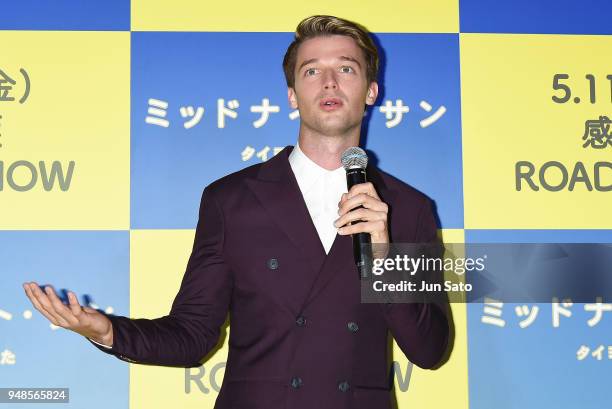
(330, 81)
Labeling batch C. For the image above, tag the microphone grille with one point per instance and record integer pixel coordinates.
(354, 157)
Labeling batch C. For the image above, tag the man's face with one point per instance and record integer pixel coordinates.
(330, 86)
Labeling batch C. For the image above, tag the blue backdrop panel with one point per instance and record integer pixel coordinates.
(170, 163)
(65, 15)
(537, 366)
(422, 68)
(536, 16)
(95, 264)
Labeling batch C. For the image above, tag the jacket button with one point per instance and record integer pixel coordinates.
(343, 386)
(273, 264)
(125, 358)
(352, 326)
(300, 321)
(296, 382)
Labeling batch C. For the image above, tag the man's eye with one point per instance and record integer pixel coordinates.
(346, 69)
(311, 71)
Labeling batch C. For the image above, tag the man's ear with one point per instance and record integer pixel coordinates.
(292, 98)
(372, 93)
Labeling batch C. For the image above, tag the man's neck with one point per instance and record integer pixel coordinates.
(326, 151)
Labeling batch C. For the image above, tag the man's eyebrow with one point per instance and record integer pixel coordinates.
(343, 58)
(307, 62)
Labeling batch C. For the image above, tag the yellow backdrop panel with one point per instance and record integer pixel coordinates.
(424, 391)
(509, 116)
(78, 110)
(401, 16)
(157, 261)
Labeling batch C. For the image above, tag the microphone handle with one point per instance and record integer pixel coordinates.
(362, 249)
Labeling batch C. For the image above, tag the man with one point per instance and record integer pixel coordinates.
(267, 252)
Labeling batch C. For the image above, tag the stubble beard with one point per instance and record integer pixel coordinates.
(332, 127)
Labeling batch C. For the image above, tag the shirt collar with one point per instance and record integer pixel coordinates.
(308, 173)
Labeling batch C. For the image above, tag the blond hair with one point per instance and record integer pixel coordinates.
(316, 26)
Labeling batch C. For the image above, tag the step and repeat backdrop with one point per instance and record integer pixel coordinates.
(115, 115)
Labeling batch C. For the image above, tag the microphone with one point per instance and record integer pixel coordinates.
(354, 160)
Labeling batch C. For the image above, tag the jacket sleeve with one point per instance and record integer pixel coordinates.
(191, 329)
(421, 330)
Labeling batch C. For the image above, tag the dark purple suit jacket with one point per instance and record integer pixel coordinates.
(299, 336)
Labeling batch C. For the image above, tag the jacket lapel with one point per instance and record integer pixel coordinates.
(278, 192)
(341, 253)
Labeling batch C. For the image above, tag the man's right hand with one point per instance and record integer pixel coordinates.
(82, 320)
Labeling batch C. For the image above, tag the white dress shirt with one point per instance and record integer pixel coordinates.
(322, 190)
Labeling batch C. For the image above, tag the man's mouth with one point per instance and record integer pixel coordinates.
(330, 104)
